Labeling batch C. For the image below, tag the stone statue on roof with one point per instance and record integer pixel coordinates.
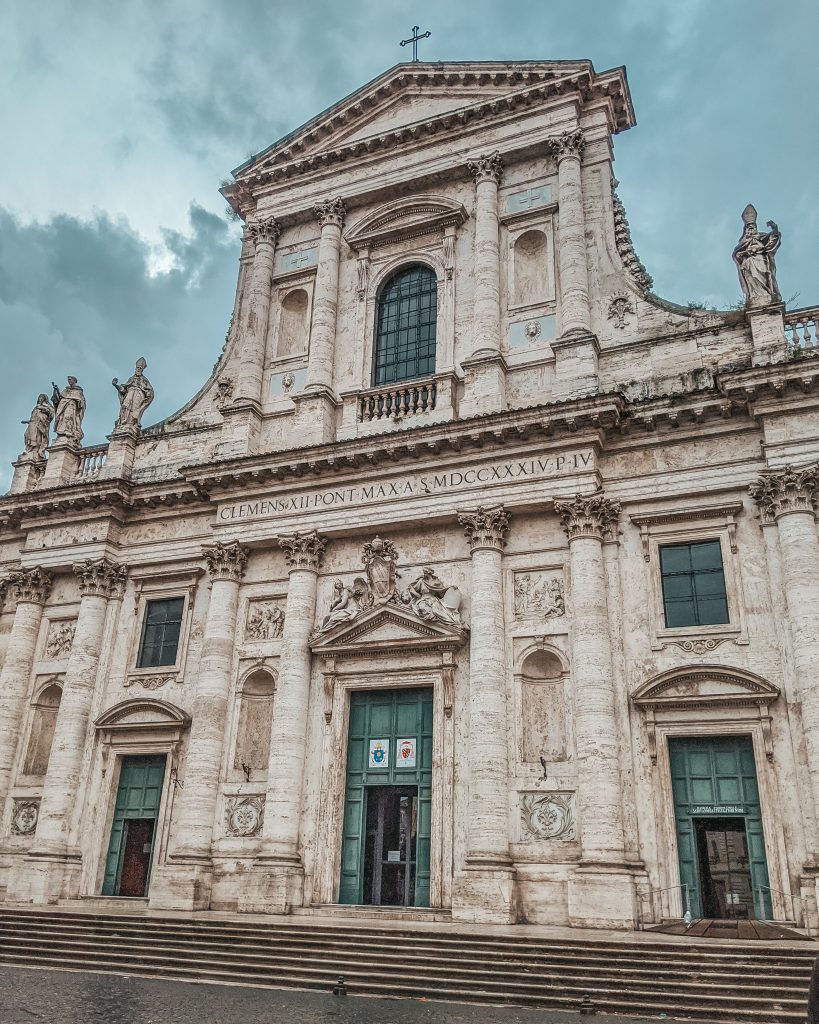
(754, 256)
(38, 425)
(69, 409)
(135, 395)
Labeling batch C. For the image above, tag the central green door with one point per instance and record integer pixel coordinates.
(716, 799)
(133, 830)
(380, 766)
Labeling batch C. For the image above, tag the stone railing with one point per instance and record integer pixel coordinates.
(92, 459)
(397, 401)
(802, 329)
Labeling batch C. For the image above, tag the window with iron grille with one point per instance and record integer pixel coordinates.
(405, 326)
(160, 633)
(693, 584)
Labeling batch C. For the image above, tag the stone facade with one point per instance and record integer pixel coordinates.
(491, 532)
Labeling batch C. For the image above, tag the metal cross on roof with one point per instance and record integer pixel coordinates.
(414, 40)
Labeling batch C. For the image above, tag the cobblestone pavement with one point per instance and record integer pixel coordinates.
(34, 996)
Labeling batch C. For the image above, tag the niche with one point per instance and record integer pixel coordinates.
(544, 708)
(292, 339)
(43, 724)
(530, 274)
(255, 719)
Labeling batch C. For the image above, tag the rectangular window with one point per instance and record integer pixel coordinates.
(693, 584)
(160, 633)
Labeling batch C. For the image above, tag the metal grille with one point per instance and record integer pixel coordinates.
(405, 330)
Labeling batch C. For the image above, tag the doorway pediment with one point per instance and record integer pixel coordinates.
(702, 686)
(143, 715)
(389, 628)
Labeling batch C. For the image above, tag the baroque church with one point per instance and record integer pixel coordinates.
(476, 579)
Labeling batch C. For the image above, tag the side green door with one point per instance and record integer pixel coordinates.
(138, 796)
(388, 715)
(717, 776)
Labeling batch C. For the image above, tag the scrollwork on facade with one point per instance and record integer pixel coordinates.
(226, 561)
(487, 167)
(779, 492)
(244, 816)
(589, 515)
(265, 232)
(620, 306)
(100, 578)
(153, 681)
(485, 527)
(701, 646)
(624, 244)
(31, 585)
(570, 143)
(330, 211)
(548, 816)
(303, 550)
(24, 817)
(60, 638)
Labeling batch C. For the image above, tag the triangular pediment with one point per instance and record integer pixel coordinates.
(704, 685)
(388, 628)
(410, 96)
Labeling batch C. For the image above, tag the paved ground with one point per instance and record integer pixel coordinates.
(34, 996)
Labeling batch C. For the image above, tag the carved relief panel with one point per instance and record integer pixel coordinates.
(265, 620)
(539, 594)
(59, 638)
(549, 816)
(244, 816)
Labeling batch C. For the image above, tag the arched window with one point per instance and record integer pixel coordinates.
(255, 720)
(405, 326)
(43, 725)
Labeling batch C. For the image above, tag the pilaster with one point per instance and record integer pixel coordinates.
(484, 888)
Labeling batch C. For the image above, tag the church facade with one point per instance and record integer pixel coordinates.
(476, 579)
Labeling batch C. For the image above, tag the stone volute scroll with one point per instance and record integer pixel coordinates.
(226, 561)
(779, 492)
(69, 409)
(592, 515)
(485, 527)
(303, 551)
(38, 427)
(754, 255)
(135, 395)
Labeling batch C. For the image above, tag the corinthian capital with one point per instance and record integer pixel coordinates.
(781, 491)
(330, 211)
(226, 561)
(568, 144)
(265, 231)
(485, 527)
(487, 167)
(101, 577)
(303, 550)
(588, 515)
(32, 585)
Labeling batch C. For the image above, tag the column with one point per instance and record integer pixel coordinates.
(485, 368)
(330, 215)
(282, 876)
(31, 588)
(203, 762)
(788, 497)
(98, 582)
(484, 890)
(601, 893)
(264, 233)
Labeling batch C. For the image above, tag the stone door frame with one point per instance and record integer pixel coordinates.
(346, 679)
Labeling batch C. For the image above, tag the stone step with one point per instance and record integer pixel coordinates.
(345, 912)
(658, 968)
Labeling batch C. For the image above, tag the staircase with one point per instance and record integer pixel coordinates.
(703, 981)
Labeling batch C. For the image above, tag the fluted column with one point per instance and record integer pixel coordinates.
(484, 891)
(99, 581)
(197, 806)
(265, 234)
(289, 728)
(31, 588)
(487, 171)
(587, 520)
(330, 215)
(788, 498)
(571, 238)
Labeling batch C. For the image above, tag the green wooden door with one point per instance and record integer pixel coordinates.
(388, 716)
(138, 797)
(715, 777)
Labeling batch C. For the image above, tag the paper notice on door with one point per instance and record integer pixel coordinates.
(393, 856)
(379, 754)
(405, 753)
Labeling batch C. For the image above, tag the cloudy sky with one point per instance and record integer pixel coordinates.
(118, 122)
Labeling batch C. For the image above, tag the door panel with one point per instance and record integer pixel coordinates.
(137, 844)
(138, 797)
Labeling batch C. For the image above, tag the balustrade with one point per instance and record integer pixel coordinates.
(397, 401)
(92, 459)
(802, 329)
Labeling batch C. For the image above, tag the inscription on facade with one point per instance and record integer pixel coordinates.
(542, 467)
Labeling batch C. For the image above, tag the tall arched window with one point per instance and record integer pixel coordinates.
(405, 326)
